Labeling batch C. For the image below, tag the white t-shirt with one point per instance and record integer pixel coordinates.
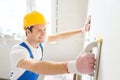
(19, 52)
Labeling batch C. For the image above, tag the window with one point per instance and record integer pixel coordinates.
(11, 16)
(13, 11)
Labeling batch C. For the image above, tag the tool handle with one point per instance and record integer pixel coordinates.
(90, 46)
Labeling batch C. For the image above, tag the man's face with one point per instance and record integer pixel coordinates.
(38, 33)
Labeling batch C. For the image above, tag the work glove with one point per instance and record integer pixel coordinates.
(83, 64)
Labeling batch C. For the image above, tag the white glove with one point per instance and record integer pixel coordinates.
(83, 64)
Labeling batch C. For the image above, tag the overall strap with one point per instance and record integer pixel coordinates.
(30, 52)
(25, 46)
(41, 50)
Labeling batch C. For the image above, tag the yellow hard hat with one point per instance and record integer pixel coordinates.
(33, 18)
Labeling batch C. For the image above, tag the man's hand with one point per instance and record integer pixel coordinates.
(86, 27)
(85, 63)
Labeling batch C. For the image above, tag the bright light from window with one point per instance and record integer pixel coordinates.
(13, 11)
(11, 15)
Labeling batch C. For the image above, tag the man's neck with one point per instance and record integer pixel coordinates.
(33, 43)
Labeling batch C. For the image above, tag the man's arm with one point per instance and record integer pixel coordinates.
(71, 33)
(43, 67)
(82, 64)
(64, 35)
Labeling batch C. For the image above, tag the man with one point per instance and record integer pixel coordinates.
(26, 57)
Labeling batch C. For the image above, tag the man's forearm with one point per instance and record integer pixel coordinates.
(64, 35)
(44, 67)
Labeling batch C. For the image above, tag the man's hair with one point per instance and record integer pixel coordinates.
(29, 28)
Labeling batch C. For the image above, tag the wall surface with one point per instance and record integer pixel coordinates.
(106, 22)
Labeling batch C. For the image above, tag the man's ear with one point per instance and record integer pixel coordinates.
(28, 31)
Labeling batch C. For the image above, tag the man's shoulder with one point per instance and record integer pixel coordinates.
(18, 50)
(17, 46)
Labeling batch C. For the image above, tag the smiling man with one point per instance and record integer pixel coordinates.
(26, 57)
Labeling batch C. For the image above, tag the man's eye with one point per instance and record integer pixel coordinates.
(44, 29)
(39, 30)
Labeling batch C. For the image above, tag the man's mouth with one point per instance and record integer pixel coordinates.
(41, 37)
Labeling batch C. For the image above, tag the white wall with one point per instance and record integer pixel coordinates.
(106, 22)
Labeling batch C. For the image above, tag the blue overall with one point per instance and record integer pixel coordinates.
(28, 75)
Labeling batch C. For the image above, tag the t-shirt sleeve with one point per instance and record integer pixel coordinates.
(17, 53)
